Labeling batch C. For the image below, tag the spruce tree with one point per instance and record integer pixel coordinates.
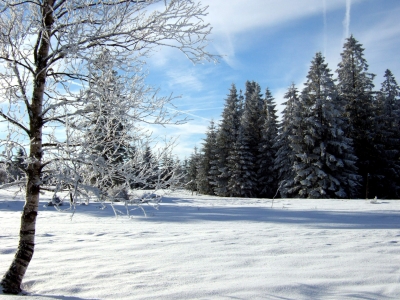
(106, 135)
(355, 86)
(204, 178)
(192, 167)
(16, 168)
(325, 163)
(167, 167)
(266, 177)
(225, 139)
(150, 165)
(243, 159)
(285, 156)
(183, 178)
(243, 181)
(387, 140)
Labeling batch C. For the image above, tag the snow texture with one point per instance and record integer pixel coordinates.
(202, 247)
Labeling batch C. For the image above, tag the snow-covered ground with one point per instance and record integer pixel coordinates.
(201, 247)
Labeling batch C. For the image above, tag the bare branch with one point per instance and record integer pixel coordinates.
(12, 121)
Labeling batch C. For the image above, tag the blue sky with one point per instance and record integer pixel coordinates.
(271, 42)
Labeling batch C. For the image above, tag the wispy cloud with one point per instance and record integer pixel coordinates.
(190, 114)
(184, 79)
(325, 26)
(346, 21)
(242, 17)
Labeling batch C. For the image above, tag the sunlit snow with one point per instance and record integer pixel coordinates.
(202, 247)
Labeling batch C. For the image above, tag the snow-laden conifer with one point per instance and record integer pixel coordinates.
(191, 171)
(106, 137)
(243, 180)
(266, 176)
(208, 151)
(325, 163)
(285, 156)
(225, 139)
(150, 165)
(386, 182)
(242, 160)
(355, 86)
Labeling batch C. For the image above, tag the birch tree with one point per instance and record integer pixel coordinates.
(46, 50)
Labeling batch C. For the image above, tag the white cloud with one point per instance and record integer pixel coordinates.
(242, 17)
(346, 21)
(239, 17)
(185, 79)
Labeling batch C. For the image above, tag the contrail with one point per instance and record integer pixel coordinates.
(325, 26)
(346, 22)
(188, 113)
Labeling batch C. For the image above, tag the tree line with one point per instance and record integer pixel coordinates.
(337, 138)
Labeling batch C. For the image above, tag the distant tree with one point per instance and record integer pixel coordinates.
(208, 151)
(167, 167)
(325, 163)
(149, 165)
(183, 178)
(17, 166)
(355, 86)
(266, 176)
(191, 171)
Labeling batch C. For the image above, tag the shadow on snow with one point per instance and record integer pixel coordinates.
(189, 210)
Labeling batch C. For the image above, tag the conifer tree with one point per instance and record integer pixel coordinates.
(242, 160)
(243, 181)
(225, 139)
(106, 135)
(147, 168)
(387, 140)
(285, 156)
(355, 86)
(267, 179)
(191, 171)
(167, 167)
(18, 165)
(183, 178)
(325, 163)
(204, 178)
(252, 119)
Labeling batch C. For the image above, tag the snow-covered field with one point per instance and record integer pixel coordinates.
(200, 247)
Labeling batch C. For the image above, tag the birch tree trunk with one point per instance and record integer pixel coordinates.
(12, 280)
